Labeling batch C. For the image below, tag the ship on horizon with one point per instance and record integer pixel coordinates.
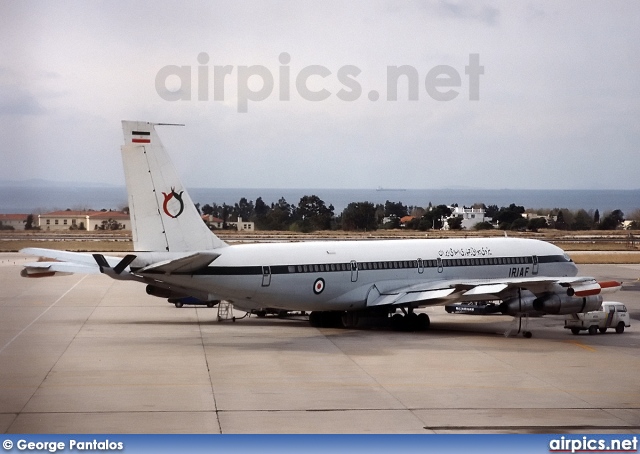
(380, 188)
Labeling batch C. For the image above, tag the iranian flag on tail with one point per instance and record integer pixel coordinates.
(141, 137)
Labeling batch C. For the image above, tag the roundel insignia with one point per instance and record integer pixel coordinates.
(318, 286)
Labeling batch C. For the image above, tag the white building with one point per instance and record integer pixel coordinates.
(470, 217)
(218, 223)
(83, 220)
(17, 221)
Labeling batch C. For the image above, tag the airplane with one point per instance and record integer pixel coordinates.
(338, 282)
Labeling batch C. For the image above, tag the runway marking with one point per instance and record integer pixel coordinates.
(45, 311)
(586, 347)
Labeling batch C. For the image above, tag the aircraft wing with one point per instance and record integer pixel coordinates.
(449, 291)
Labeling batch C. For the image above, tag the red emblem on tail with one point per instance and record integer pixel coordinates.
(167, 197)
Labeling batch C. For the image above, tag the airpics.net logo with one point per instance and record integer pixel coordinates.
(257, 83)
(591, 444)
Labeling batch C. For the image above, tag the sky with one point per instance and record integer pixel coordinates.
(299, 94)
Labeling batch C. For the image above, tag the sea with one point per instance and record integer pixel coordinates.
(38, 200)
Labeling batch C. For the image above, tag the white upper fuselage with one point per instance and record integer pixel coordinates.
(338, 275)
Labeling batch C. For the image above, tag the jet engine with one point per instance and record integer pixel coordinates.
(160, 292)
(553, 303)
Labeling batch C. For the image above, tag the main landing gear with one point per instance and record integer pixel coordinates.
(408, 320)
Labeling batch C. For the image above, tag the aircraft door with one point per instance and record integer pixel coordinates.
(420, 266)
(439, 265)
(266, 276)
(354, 271)
(534, 270)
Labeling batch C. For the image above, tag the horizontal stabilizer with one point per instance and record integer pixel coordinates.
(47, 269)
(183, 265)
(66, 256)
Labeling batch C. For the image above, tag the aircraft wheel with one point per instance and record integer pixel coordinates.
(315, 319)
(349, 319)
(603, 330)
(620, 328)
(210, 304)
(593, 329)
(575, 331)
(423, 322)
(397, 321)
(412, 322)
(263, 314)
(179, 304)
(527, 334)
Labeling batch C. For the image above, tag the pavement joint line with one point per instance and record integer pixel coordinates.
(206, 359)
(44, 312)
(66, 348)
(330, 339)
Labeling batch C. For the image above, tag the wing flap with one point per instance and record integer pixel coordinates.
(489, 289)
(405, 298)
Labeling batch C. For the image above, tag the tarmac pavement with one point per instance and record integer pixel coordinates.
(87, 354)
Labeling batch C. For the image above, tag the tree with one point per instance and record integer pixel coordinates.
(260, 211)
(433, 218)
(359, 216)
(519, 224)
(596, 217)
(243, 209)
(28, 223)
(455, 223)
(491, 211)
(612, 220)
(560, 223)
(582, 221)
(312, 214)
(536, 224)
(207, 209)
(279, 216)
(507, 215)
(396, 209)
(109, 224)
(483, 226)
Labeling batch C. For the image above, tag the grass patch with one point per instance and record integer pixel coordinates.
(605, 258)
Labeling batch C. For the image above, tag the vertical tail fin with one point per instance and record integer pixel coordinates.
(163, 216)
